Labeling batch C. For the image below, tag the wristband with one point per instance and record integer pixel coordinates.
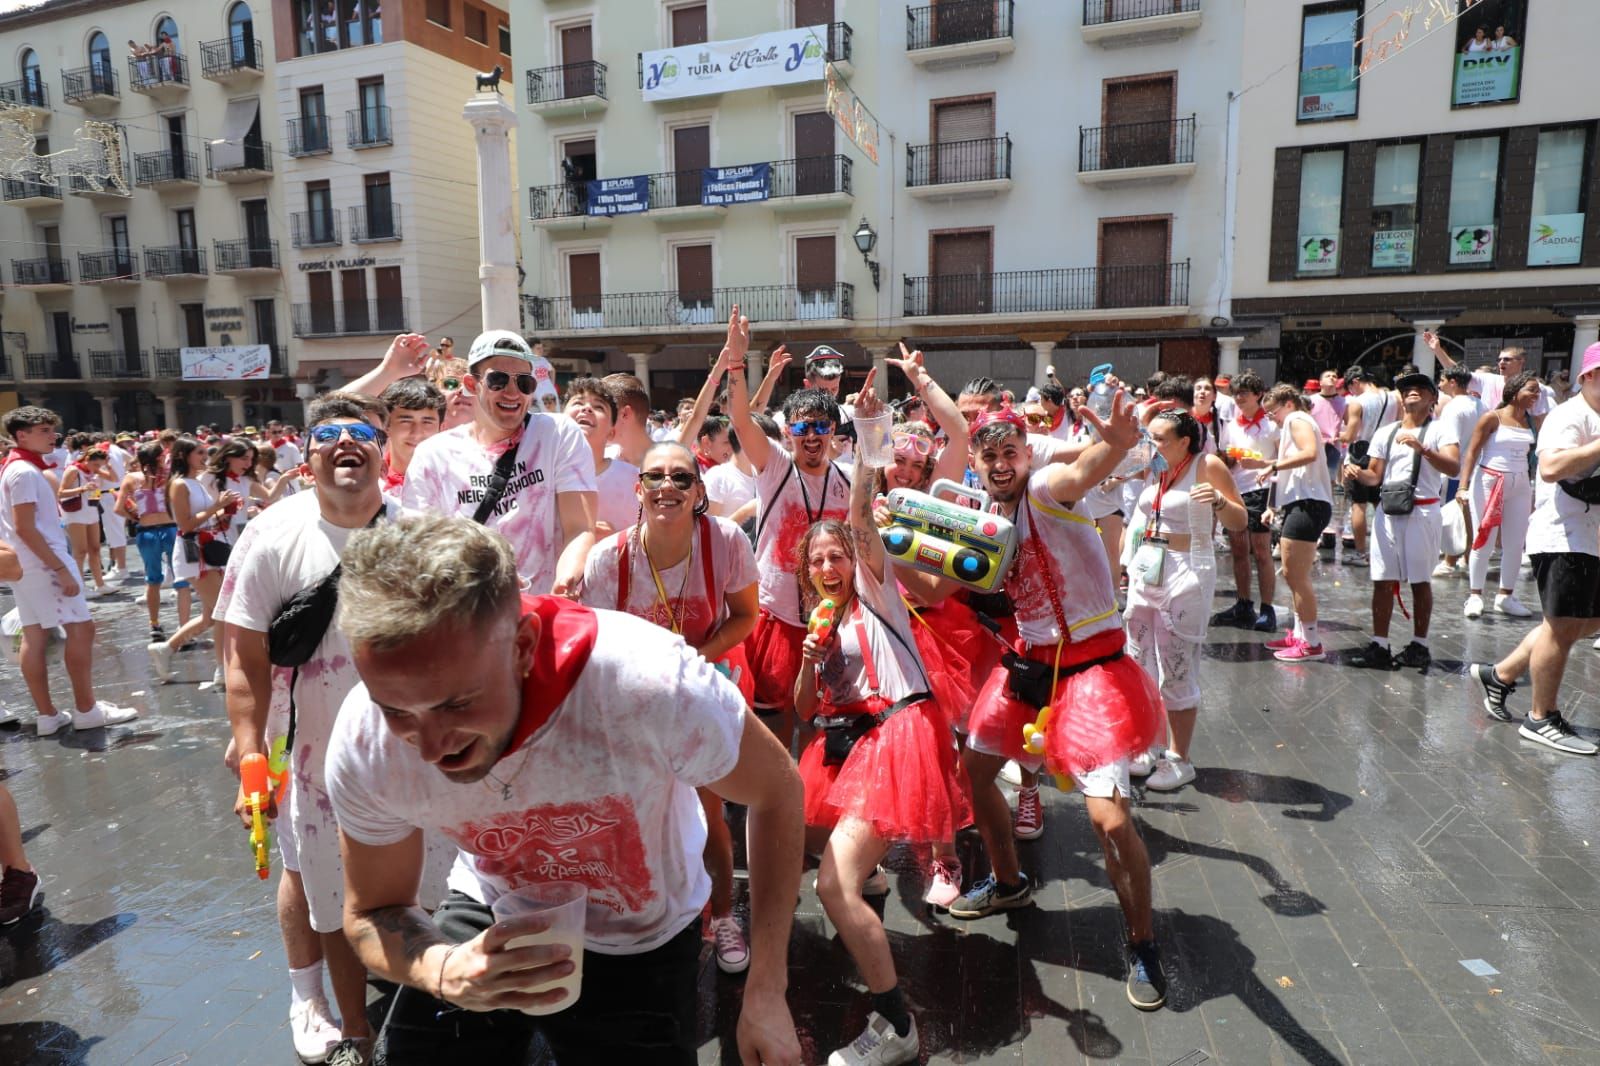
(736, 366)
(442, 962)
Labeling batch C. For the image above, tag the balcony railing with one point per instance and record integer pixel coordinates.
(257, 160)
(119, 364)
(169, 362)
(957, 22)
(1099, 12)
(368, 127)
(25, 92)
(948, 162)
(153, 73)
(116, 265)
(162, 168)
(85, 83)
(231, 55)
(1136, 144)
(309, 136)
(244, 254)
(368, 226)
(174, 261)
(571, 81)
(53, 365)
(46, 271)
(351, 318)
(654, 310)
(839, 46)
(314, 229)
(90, 181)
(809, 176)
(1042, 291)
(14, 189)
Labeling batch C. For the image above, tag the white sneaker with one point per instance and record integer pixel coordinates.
(313, 1030)
(1473, 608)
(1011, 773)
(1443, 570)
(113, 575)
(879, 1045)
(160, 659)
(94, 592)
(102, 714)
(1143, 764)
(1507, 603)
(1170, 773)
(732, 951)
(216, 684)
(50, 724)
(877, 883)
(8, 716)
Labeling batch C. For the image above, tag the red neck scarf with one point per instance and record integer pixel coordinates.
(1059, 417)
(1252, 423)
(565, 644)
(1206, 419)
(19, 454)
(392, 478)
(705, 461)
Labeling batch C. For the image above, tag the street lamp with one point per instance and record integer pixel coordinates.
(866, 239)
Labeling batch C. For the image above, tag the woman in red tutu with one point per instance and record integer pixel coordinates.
(882, 768)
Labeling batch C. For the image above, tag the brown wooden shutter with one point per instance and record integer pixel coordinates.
(691, 154)
(963, 135)
(689, 25)
(813, 12)
(577, 56)
(1133, 263)
(694, 273)
(319, 284)
(814, 151)
(962, 281)
(353, 289)
(1138, 129)
(390, 298)
(814, 259)
(583, 282)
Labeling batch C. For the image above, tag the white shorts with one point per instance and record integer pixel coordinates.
(314, 851)
(116, 530)
(83, 516)
(1172, 661)
(1405, 548)
(40, 602)
(1106, 781)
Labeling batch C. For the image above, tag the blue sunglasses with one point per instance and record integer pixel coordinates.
(821, 427)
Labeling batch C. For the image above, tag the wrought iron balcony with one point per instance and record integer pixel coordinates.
(26, 92)
(230, 59)
(309, 136)
(368, 127)
(90, 85)
(48, 271)
(1101, 12)
(244, 255)
(28, 193)
(1043, 291)
(1129, 145)
(958, 22)
(47, 365)
(683, 309)
(368, 226)
(86, 181)
(169, 362)
(117, 265)
(119, 364)
(955, 162)
(159, 74)
(820, 175)
(571, 81)
(254, 166)
(314, 229)
(839, 44)
(351, 318)
(174, 263)
(155, 169)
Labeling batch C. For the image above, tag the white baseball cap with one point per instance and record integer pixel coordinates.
(498, 342)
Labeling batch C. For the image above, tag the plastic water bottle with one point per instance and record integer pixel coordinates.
(1202, 552)
(1138, 457)
(1100, 391)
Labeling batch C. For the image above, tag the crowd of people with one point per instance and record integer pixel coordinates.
(492, 635)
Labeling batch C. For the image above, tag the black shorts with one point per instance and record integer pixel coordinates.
(1360, 493)
(1305, 519)
(1255, 505)
(1569, 584)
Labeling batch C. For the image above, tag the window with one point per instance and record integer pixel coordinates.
(963, 137)
(1329, 58)
(816, 277)
(187, 239)
(577, 61)
(379, 204)
(688, 24)
(1555, 232)
(691, 155)
(319, 213)
(439, 12)
(1138, 122)
(32, 80)
(962, 265)
(372, 117)
(1133, 262)
(353, 291)
(695, 297)
(505, 40)
(1488, 58)
(313, 136)
(390, 299)
(319, 287)
(1474, 185)
(194, 324)
(1321, 203)
(813, 12)
(102, 75)
(475, 24)
(583, 287)
(167, 29)
(241, 35)
(1394, 205)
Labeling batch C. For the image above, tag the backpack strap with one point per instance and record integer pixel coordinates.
(624, 574)
(501, 475)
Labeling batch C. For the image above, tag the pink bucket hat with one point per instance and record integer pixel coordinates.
(1591, 360)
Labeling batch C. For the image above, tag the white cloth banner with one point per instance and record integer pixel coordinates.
(235, 363)
(783, 57)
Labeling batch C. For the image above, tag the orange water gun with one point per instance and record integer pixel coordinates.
(253, 783)
(822, 619)
(1236, 452)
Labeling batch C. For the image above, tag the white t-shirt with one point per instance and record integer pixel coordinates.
(22, 482)
(1398, 458)
(733, 568)
(1491, 389)
(1461, 414)
(450, 472)
(117, 459)
(729, 488)
(618, 503)
(784, 518)
(1259, 436)
(843, 676)
(288, 455)
(1562, 522)
(1378, 408)
(602, 792)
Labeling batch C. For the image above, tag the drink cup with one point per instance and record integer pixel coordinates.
(562, 904)
(874, 440)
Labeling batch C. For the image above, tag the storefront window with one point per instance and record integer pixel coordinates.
(1394, 206)
(1321, 201)
(1474, 187)
(1555, 233)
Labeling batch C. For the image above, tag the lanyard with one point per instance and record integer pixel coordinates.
(624, 575)
(673, 621)
(805, 497)
(1161, 490)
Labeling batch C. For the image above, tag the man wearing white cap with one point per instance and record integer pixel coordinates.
(524, 473)
(825, 371)
(1564, 540)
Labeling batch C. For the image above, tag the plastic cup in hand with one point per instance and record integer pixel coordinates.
(874, 442)
(562, 904)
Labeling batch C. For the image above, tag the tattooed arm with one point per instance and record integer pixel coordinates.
(869, 546)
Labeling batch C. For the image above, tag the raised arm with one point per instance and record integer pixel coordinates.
(1069, 482)
(1436, 346)
(869, 545)
(777, 363)
(753, 442)
(407, 356)
(690, 430)
(953, 461)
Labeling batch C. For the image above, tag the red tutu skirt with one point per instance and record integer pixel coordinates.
(774, 654)
(903, 779)
(950, 640)
(1102, 714)
(735, 665)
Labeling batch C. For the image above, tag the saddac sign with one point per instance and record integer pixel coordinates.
(783, 57)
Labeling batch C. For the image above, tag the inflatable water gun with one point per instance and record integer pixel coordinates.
(1033, 744)
(822, 619)
(253, 782)
(1236, 452)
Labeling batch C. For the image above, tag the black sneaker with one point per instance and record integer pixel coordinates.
(986, 897)
(1373, 657)
(19, 891)
(1414, 655)
(1241, 616)
(1147, 984)
(1267, 620)
(1495, 691)
(1553, 731)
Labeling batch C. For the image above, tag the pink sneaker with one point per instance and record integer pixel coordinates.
(1029, 821)
(944, 883)
(1300, 653)
(1283, 643)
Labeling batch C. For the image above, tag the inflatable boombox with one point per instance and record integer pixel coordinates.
(944, 538)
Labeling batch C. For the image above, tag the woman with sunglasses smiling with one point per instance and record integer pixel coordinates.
(695, 575)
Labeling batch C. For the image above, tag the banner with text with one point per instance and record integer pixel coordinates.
(236, 363)
(1555, 240)
(783, 57)
(721, 186)
(1488, 59)
(619, 196)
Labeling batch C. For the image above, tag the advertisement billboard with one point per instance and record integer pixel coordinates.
(1328, 62)
(1488, 56)
(783, 57)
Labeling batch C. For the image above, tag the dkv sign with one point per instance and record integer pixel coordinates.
(784, 57)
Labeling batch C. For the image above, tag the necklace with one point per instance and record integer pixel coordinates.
(505, 786)
(673, 621)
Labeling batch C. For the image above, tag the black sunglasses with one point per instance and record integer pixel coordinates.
(497, 380)
(680, 481)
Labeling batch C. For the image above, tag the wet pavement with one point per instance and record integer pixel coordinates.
(1357, 849)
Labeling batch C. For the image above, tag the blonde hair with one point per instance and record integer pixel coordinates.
(402, 580)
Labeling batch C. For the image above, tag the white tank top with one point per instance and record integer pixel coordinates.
(1507, 449)
(199, 496)
(1075, 562)
(1308, 482)
(1174, 502)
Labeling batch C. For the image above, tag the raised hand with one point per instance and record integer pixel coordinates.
(867, 402)
(779, 360)
(1121, 430)
(738, 342)
(910, 363)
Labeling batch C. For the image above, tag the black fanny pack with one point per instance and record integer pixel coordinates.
(1030, 680)
(1586, 489)
(841, 731)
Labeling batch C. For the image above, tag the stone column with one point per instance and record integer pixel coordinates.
(492, 118)
(1044, 353)
(108, 415)
(236, 406)
(169, 411)
(879, 354)
(1587, 332)
(1228, 355)
(755, 368)
(641, 367)
(1421, 354)
(305, 392)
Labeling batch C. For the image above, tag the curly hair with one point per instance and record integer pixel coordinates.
(1515, 384)
(841, 532)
